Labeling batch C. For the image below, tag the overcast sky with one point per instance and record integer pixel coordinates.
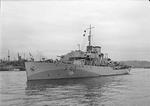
(51, 28)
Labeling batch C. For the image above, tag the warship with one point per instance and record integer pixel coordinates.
(76, 64)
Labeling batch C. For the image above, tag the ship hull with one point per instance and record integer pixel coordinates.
(43, 70)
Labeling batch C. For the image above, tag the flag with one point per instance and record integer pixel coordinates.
(84, 32)
(30, 54)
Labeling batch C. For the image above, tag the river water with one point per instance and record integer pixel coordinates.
(123, 90)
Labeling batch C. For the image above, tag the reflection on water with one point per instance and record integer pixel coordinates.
(89, 91)
(122, 90)
(88, 82)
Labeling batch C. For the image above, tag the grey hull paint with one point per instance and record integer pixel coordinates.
(37, 71)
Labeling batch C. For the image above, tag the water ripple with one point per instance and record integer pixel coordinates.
(124, 90)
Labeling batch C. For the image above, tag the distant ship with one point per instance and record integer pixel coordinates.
(76, 64)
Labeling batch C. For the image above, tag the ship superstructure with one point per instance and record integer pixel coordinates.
(76, 64)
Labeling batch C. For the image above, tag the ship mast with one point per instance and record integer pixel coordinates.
(89, 37)
(89, 47)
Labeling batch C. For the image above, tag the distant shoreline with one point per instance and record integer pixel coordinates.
(133, 64)
(137, 64)
(131, 68)
(141, 67)
(12, 70)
